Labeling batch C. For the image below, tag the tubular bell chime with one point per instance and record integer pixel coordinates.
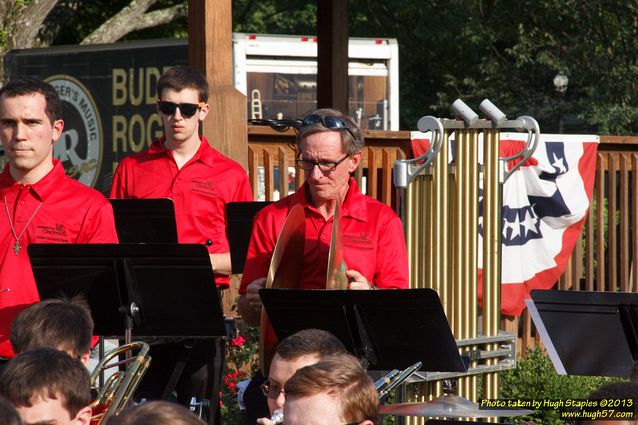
(440, 195)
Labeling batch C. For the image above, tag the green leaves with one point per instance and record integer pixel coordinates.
(535, 378)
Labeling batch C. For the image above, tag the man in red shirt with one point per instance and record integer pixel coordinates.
(40, 204)
(182, 166)
(373, 243)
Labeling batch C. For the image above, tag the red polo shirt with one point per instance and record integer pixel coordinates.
(57, 209)
(200, 190)
(373, 241)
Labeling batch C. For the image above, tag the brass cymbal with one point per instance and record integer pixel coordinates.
(336, 277)
(282, 274)
(448, 406)
(290, 246)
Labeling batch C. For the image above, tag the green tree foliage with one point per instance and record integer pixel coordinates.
(509, 52)
(536, 378)
(275, 16)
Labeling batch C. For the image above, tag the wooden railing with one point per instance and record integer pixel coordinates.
(605, 259)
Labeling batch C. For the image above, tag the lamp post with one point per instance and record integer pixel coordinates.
(560, 84)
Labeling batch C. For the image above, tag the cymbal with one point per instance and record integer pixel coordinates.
(289, 247)
(282, 274)
(336, 278)
(448, 406)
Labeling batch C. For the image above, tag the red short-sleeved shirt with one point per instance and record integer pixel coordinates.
(373, 241)
(67, 212)
(200, 190)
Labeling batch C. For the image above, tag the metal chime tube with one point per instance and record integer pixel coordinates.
(440, 221)
(465, 228)
(471, 317)
(458, 206)
(491, 246)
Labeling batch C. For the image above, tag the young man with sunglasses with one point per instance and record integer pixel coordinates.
(39, 203)
(182, 166)
(374, 248)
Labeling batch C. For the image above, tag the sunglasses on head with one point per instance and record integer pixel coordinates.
(328, 121)
(186, 109)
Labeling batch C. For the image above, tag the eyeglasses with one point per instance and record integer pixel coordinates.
(328, 121)
(271, 390)
(324, 166)
(186, 109)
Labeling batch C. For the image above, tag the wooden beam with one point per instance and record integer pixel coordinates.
(210, 49)
(332, 54)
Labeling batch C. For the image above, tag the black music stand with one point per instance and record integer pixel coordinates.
(388, 328)
(153, 290)
(145, 220)
(587, 333)
(143, 290)
(239, 218)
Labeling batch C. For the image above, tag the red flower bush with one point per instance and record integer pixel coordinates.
(238, 342)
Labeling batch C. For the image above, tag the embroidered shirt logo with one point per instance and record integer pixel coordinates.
(359, 240)
(204, 186)
(56, 233)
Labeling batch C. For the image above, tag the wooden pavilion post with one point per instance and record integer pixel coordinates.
(210, 49)
(332, 54)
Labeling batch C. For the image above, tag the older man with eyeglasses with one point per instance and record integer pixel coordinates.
(374, 249)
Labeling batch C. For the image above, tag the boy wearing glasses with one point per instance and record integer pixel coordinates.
(294, 352)
(182, 166)
(374, 249)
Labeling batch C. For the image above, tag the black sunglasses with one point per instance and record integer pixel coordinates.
(186, 109)
(328, 121)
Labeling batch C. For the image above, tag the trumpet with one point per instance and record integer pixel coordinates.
(394, 378)
(113, 396)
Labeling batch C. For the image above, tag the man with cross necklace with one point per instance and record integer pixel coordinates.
(40, 203)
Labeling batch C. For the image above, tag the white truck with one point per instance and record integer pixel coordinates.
(278, 73)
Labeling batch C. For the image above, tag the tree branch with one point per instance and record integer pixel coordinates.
(6, 10)
(23, 30)
(133, 18)
(125, 17)
(163, 16)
